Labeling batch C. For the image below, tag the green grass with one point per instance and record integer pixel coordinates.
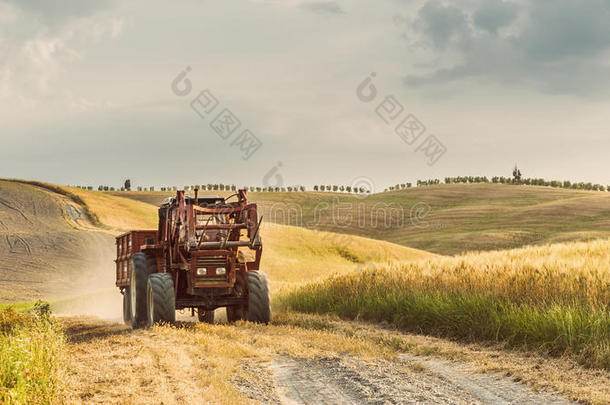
(555, 299)
(30, 345)
(23, 306)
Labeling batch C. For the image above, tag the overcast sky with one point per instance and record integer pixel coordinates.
(86, 93)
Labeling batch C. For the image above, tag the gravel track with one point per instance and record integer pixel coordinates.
(407, 381)
(109, 363)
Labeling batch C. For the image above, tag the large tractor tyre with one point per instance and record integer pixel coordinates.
(259, 308)
(205, 316)
(161, 300)
(238, 312)
(126, 307)
(141, 267)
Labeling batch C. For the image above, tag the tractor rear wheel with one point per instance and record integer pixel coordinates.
(161, 300)
(126, 307)
(205, 316)
(141, 266)
(258, 308)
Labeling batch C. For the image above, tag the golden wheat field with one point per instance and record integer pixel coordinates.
(553, 298)
(569, 273)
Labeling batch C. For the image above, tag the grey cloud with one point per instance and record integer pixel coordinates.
(492, 16)
(442, 24)
(53, 12)
(557, 48)
(323, 7)
(563, 28)
(41, 38)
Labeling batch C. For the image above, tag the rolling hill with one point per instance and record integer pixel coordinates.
(292, 254)
(46, 249)
(444, 219)
(49, 248)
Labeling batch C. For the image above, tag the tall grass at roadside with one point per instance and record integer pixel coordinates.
(30, 344)
(555, 298)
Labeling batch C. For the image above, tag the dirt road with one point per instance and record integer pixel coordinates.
(195, 363)
(352, 381)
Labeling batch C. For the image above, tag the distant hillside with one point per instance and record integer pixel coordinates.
(461, 217)
(291, 254)
(45, 249)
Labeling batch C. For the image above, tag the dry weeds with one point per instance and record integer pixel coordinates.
(109, 363)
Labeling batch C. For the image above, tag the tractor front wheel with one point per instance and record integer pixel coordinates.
(161, 300)
(258, 308)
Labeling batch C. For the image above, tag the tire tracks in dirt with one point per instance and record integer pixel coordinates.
(352, 381)
(484, 388)
(13, 208)
(299, 383)
(13, 241)
(111, 364)
(45, 239)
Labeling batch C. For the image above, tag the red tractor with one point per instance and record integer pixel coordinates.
(204, 255)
